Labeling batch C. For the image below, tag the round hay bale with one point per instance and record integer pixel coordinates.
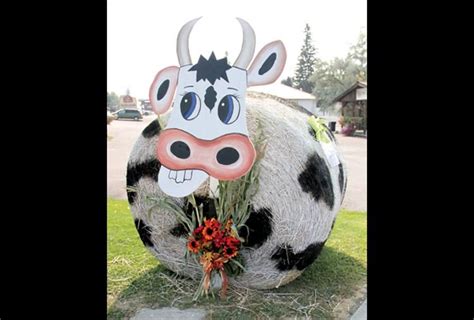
(293, 211)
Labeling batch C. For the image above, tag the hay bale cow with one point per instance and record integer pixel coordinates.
(300, 189)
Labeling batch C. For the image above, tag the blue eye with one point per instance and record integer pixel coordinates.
(190, 106)
(229, 109)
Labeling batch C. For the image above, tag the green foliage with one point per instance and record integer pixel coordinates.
(288, 82)
(235, 196)
(320, 129)
(112, 99)
(306, 62)
(233, 199)
(337, 75)
(358, 53)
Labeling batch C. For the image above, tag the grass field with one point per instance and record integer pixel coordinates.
(326, 290)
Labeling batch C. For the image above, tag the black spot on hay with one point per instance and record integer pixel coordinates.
(287, 259)
(345, 185)
(259, 229)
(209, 210)
(151, 130)
(179, 231)
(316, 180)
(144, 231)
(148, 168)
(341, 177)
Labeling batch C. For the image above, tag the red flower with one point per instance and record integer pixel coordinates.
(230, 252)
(197, 232)
(219, 239)
(193, 245)
(232, 242)
(212, 223)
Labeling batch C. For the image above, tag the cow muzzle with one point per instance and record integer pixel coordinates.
(227, 157)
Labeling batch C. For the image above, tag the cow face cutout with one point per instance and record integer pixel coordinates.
(207, 134)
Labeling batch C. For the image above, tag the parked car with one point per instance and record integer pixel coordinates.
(128, 114)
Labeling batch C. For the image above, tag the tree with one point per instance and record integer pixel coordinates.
(306, 62)
(358, 53)
(288, 81)
(112, 99)
(334, 77)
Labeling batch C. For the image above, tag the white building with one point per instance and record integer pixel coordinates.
(303, 99)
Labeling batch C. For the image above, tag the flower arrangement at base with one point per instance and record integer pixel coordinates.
(214, 241)
(216, 244)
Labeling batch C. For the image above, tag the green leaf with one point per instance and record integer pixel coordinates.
(318, 125)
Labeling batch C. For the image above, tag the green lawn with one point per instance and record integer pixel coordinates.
(136, 279)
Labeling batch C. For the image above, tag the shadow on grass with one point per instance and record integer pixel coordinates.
(333, 277)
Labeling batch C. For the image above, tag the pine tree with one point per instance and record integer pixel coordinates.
(306, 62)
(288, 82)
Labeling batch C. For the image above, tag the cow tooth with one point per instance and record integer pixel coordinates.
(180, 176)
(188, 174)
(172, 175)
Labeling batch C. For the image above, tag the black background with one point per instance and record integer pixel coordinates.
(53, 227)
(53, 216)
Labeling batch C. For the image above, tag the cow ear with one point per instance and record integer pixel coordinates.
(268, 65)
(162, 89)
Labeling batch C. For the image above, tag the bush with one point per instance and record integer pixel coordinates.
(348, 129)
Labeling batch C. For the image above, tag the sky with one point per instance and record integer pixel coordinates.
(141, 34)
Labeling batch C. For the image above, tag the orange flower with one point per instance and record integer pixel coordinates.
(193, 245)
(212, 223)
(232, 242)
(209, 233)
(230, 252)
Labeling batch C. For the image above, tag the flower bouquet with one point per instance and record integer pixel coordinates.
(214, 241)
(216, 245)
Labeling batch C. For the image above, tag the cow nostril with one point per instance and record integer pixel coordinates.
(180, 149)
(227, 156)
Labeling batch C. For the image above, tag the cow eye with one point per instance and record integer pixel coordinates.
(190, 106)
(229, 109)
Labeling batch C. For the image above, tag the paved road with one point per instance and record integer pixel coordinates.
(123, 133)
(354, 151)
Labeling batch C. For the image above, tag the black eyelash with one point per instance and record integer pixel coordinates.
(185, 93)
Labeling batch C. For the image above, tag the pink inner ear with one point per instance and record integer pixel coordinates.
(271, 75)
(162, 89)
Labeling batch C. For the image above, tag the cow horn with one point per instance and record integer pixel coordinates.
(248, 46)
(182, 45)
